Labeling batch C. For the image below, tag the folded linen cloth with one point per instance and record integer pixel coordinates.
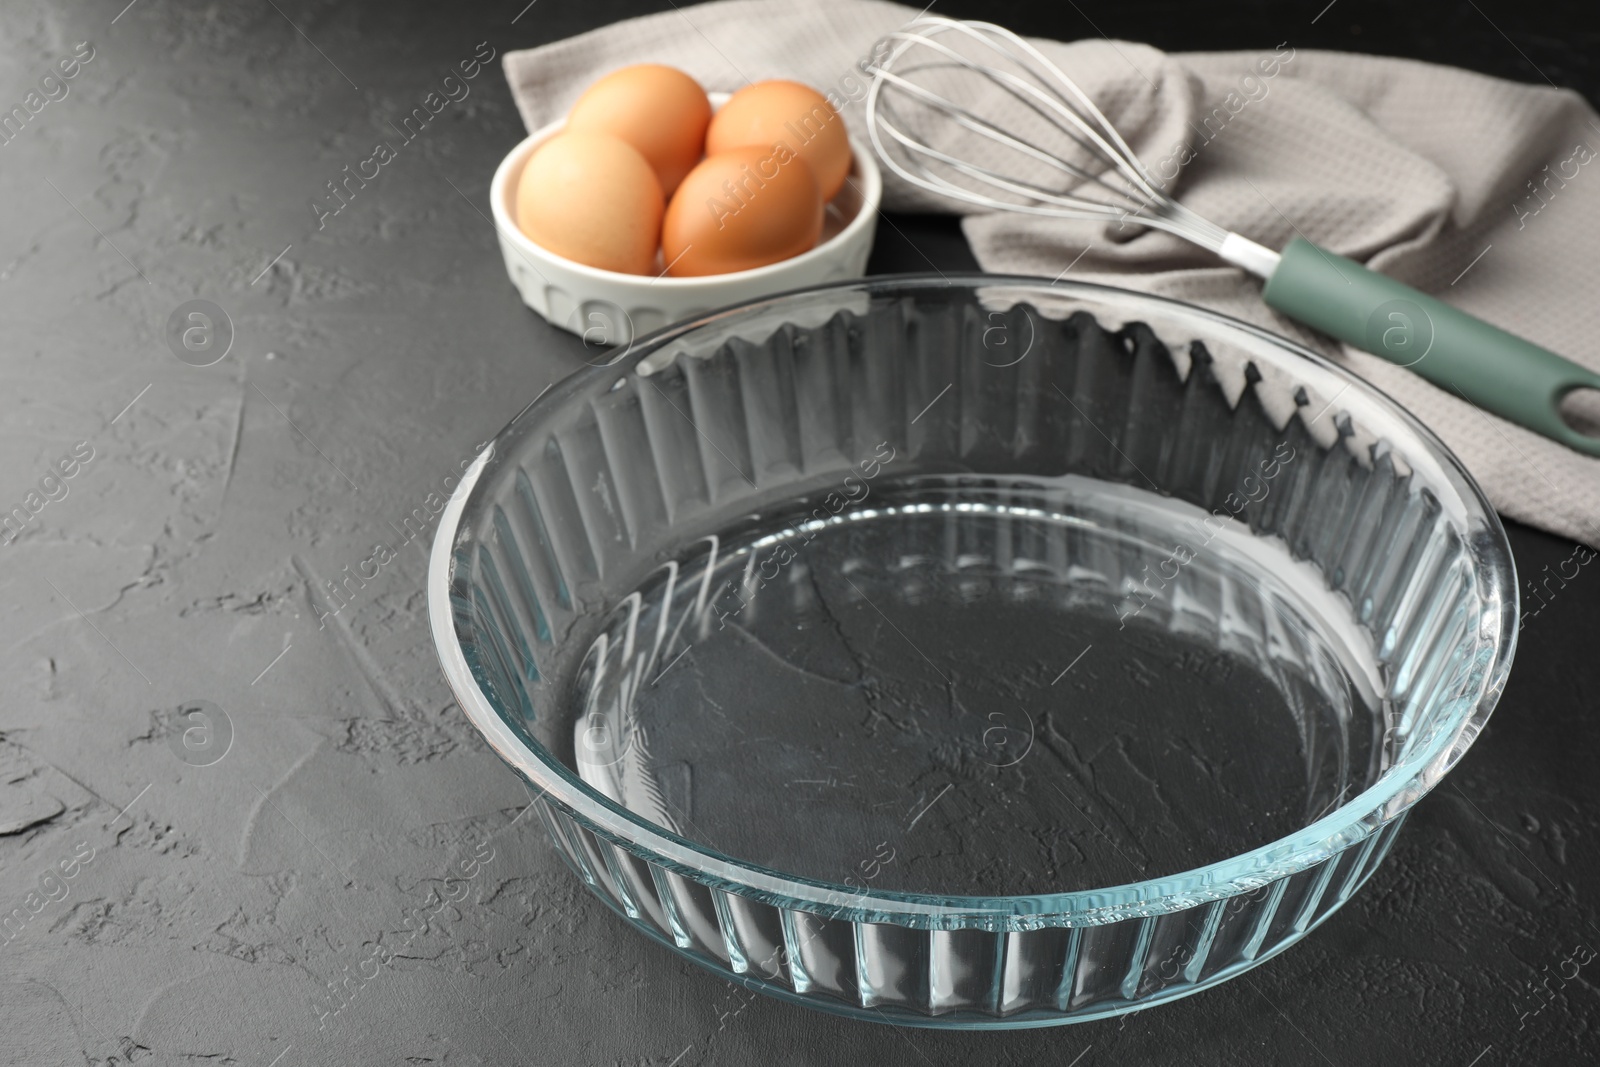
(1471, 188)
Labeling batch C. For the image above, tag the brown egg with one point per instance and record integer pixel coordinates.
(785, 112)
(742, 208)
(659, 110)
(593, 199)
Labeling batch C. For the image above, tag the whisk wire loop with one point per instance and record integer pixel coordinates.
(1122, 190)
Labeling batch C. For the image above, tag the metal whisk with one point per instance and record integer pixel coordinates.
(1050, 151)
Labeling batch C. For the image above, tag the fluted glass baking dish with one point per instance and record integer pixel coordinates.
(972, 651)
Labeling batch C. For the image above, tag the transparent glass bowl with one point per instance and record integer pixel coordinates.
(972, 651)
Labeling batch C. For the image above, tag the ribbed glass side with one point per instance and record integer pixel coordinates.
(1024, 977)
(1010, 395)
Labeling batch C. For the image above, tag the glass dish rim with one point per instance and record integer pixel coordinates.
(1358, 818)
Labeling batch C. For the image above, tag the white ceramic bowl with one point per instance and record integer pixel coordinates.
(607, 308)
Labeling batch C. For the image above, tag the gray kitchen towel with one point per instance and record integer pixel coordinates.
(1471, 188)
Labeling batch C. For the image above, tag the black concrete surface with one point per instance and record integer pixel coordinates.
(229, 902)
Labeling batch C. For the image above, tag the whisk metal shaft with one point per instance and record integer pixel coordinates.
(1120, 190)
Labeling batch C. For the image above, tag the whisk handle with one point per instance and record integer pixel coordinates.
(1498, 371)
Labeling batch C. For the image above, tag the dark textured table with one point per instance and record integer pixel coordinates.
(222, 902)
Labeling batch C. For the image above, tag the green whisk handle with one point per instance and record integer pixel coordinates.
(1498, 371)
